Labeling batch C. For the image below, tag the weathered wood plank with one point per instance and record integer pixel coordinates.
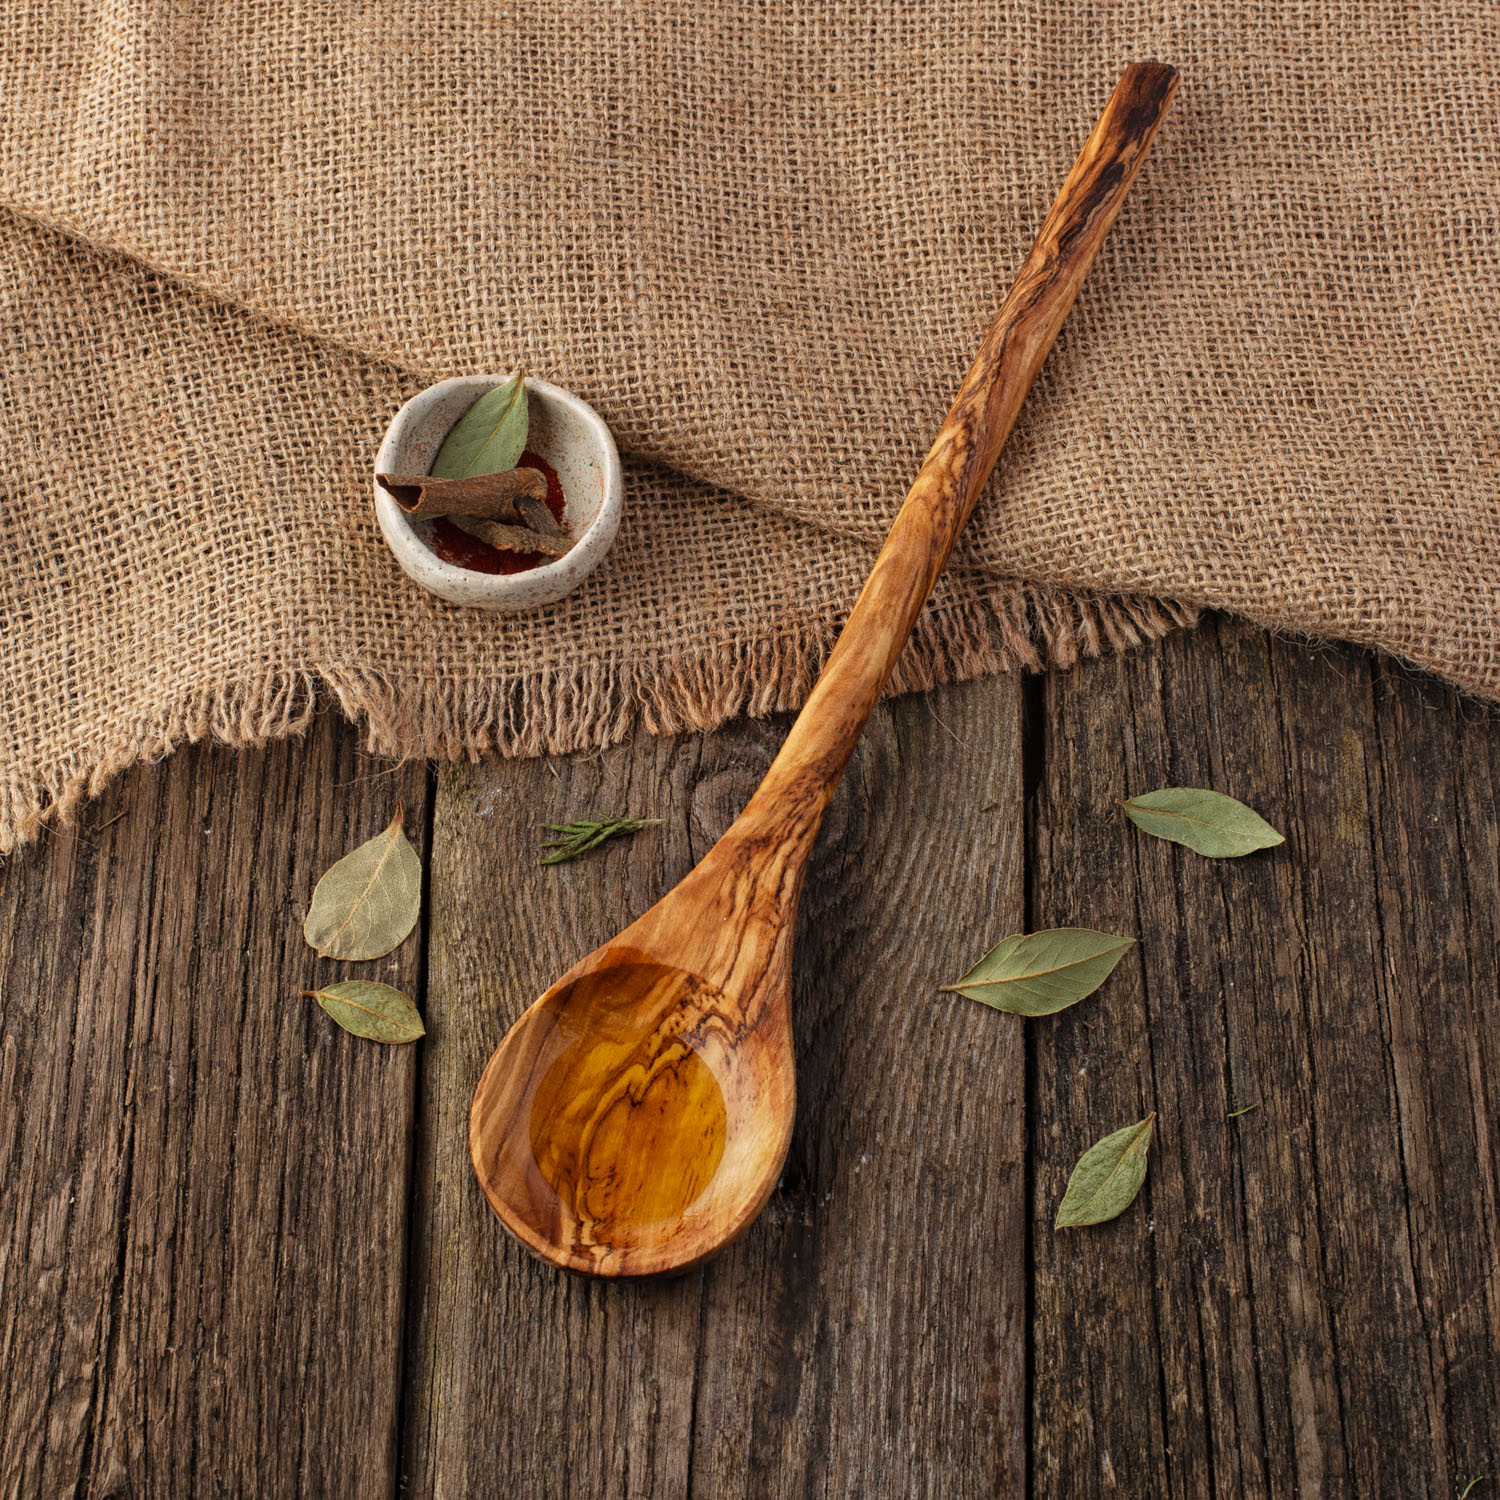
(1435, 775)
(1303, 1300)
(866, 1337)
(203, 1251)
(196, 1296)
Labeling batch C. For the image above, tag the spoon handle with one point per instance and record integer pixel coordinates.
(789, 803)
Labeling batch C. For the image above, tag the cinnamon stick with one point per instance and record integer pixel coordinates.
(513, 538)
(492, 497)
(537, 514)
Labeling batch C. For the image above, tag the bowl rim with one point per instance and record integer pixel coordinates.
(576, 563)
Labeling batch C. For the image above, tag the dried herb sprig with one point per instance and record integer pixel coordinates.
(581, 835)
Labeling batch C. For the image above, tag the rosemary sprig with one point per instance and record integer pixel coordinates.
(582, 835)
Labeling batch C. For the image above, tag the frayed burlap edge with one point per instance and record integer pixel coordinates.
(598, 704)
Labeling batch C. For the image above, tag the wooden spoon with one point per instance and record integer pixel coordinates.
(636, 1118)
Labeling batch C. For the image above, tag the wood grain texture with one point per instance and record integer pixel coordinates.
(202, 1253)
(963, 454)
(1304, 1301)
(862, 1338)
(196, 1297)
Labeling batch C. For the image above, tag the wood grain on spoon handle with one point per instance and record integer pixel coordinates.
(636, 1118)
(981, 418)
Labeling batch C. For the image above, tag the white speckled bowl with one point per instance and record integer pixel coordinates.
(567, 432)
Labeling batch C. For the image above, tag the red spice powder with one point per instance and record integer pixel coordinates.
(455, 545)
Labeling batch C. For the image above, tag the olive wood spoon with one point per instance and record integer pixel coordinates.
(635, 1119)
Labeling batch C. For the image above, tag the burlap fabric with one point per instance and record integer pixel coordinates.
(763, 240)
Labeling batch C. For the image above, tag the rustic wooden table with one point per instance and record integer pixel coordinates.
(243, 1252)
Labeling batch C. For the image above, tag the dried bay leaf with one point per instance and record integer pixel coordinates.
(490, 436)
(1208, 822)
(493, 497)
(1041, 973)
(368, 902)
(1107, 1177)
(371, 1010)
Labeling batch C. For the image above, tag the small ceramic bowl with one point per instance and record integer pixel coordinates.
(567, 432)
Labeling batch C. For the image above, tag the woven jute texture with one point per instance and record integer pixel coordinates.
(763, 240)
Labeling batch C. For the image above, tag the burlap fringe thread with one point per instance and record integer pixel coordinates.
(599, 704)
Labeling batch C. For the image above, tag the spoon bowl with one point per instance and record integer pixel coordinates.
(635, 1119)
(632, 1112)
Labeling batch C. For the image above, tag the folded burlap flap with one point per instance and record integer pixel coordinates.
(763, 242)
